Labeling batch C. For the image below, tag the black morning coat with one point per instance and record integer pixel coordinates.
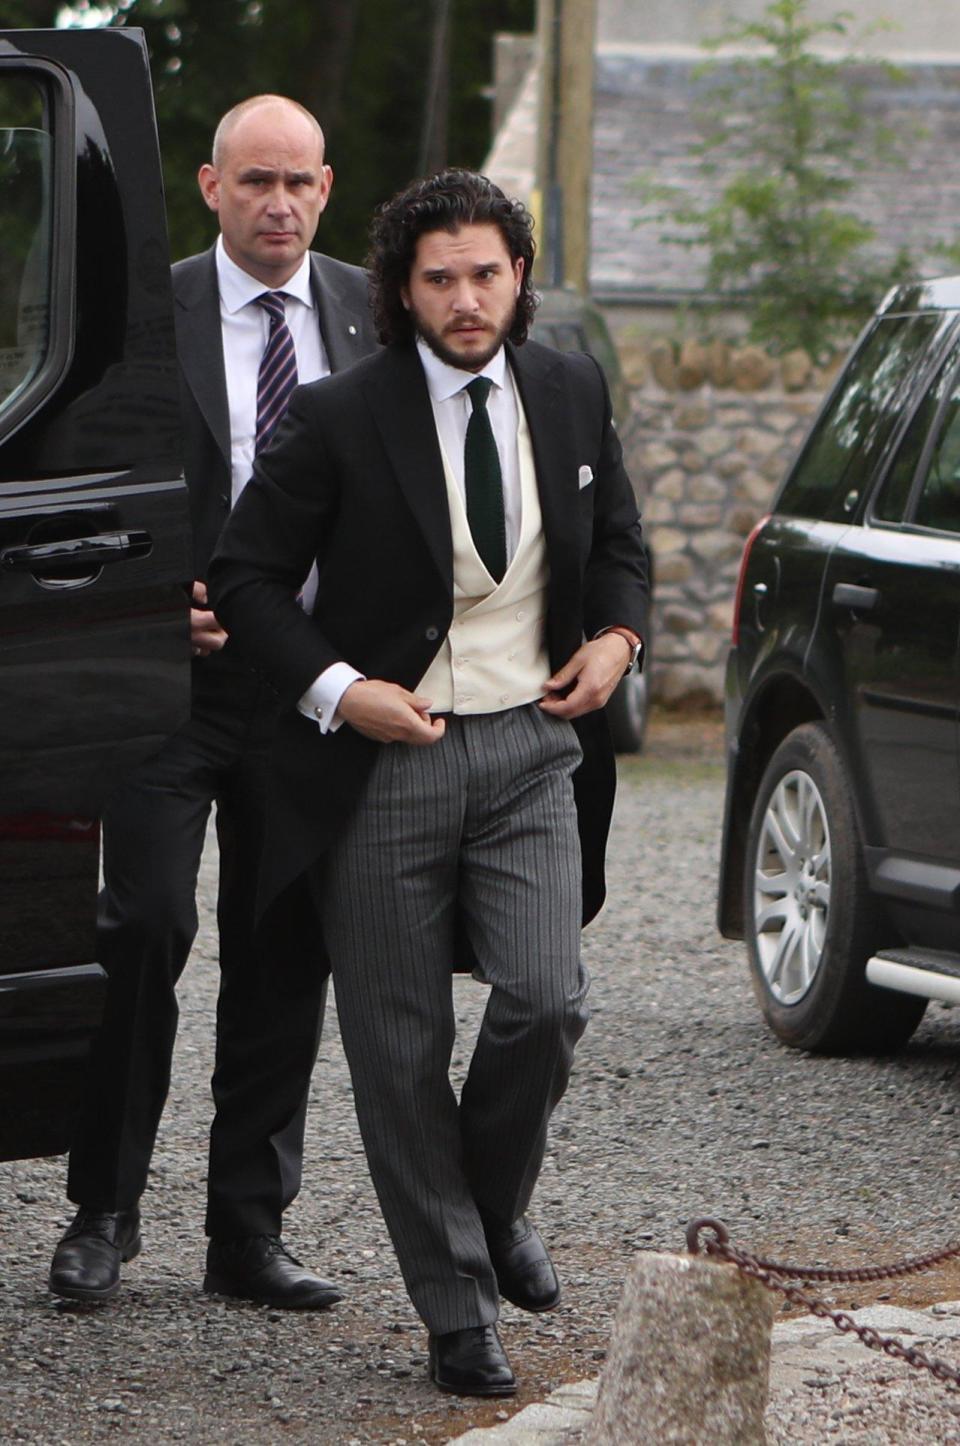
(354, 480)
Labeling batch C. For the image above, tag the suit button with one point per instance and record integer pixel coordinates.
(432, 634)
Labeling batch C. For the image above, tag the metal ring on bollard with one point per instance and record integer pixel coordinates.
(705, 1222)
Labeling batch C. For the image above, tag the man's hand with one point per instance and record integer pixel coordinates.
(206, 634)
(388, 713)
(594, 671)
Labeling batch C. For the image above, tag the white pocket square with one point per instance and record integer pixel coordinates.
(584, 477)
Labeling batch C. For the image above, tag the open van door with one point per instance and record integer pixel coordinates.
(94, 534)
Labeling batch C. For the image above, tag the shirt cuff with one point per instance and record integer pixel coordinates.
(322, 699)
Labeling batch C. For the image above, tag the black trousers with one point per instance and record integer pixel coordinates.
(272, 983)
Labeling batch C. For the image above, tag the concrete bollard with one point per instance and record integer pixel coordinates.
(689, 1358)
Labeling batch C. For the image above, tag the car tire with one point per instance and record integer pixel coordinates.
(628, 709)
(810, 917)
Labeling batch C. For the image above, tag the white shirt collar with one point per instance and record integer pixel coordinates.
(444, 381)
(238, 288)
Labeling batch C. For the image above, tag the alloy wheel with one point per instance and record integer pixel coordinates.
(792, 887)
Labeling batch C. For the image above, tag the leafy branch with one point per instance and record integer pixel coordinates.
(786, 131)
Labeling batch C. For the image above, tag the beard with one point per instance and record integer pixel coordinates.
(473, 361)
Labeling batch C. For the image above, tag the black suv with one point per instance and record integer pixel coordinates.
(841, 842)
(94, 536)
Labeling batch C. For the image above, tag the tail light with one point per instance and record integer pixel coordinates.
(741, 580)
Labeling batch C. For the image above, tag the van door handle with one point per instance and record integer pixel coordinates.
(92, 552)
(851, 595)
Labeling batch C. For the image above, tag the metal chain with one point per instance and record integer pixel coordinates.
(777, 1276)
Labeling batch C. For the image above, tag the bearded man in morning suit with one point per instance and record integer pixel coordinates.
(252, 314)
(443, 733)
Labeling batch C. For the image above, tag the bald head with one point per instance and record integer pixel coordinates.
(268, 185)
(233, 117)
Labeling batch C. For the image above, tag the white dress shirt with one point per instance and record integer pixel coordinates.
(245, 327)
(451, 411)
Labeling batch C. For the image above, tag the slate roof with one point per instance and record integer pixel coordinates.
(644, 125)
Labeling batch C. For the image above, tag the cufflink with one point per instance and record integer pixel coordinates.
(319, 713)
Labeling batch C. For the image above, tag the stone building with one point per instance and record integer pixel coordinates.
(714, 425)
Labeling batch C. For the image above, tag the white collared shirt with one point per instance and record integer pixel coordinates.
(451, 412)
(245, 327)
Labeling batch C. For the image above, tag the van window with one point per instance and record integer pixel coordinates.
(25, 234)
(845, 445)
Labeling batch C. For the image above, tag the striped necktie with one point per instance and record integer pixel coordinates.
(277, 376)
(483, 482)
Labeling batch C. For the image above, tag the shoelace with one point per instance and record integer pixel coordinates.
(101, 1223)
(275, 1246)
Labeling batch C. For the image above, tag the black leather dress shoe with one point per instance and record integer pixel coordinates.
(86, 1263)
(525, 1272)
(471, 1362)
(259, 1268)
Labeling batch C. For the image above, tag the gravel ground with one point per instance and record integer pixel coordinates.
(681, 1104)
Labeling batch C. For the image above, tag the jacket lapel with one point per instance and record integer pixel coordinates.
(341, 327)
(540, 382)
(400, 405)
(199, 345)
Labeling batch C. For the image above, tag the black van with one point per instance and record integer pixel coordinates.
(94, 534)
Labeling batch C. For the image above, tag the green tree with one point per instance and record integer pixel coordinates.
(362, 66)
(786, 130)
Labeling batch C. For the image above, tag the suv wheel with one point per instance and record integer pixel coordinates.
(627, 710)
(808, 908)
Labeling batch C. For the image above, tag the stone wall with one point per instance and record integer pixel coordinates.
(893, 28)
(712, 431)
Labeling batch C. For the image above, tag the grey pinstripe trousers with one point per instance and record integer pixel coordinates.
(480, 826)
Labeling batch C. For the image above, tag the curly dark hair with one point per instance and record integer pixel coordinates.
(444, 202)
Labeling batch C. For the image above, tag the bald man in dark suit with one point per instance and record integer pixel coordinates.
(254, 315)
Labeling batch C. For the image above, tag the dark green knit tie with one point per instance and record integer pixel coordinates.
(483, 482)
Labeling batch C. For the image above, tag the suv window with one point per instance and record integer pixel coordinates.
(25, 221)
(939, 502)
(846, 443)
(895, 490)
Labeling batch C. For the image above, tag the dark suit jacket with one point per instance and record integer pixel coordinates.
(340, 292)
(354, 479)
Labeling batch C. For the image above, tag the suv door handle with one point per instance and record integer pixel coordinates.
(851, 595)
(93, 552)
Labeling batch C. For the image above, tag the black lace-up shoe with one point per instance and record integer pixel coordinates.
(525, 1273)
(259, 1268)
(86, 1263)
(471, 1362)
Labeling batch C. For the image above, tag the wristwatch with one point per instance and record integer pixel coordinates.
(636, 646)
